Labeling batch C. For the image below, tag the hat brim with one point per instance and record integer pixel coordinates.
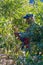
(25, 17)
(28, 16)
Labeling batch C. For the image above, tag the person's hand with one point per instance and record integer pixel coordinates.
(16, 34)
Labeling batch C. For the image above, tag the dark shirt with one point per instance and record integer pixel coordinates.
(33, 32)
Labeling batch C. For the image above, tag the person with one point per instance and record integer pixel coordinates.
(34, 28)
(32, 32)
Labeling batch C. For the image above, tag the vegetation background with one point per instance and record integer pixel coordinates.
(11, 14)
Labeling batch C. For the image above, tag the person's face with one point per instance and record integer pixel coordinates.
(29, 20)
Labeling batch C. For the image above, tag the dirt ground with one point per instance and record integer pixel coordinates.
(4, 60)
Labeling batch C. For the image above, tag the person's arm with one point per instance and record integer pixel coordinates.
(24, 34)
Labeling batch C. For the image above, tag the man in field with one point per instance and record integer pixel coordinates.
(32, 34)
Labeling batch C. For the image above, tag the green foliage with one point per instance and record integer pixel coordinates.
(11, 14)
